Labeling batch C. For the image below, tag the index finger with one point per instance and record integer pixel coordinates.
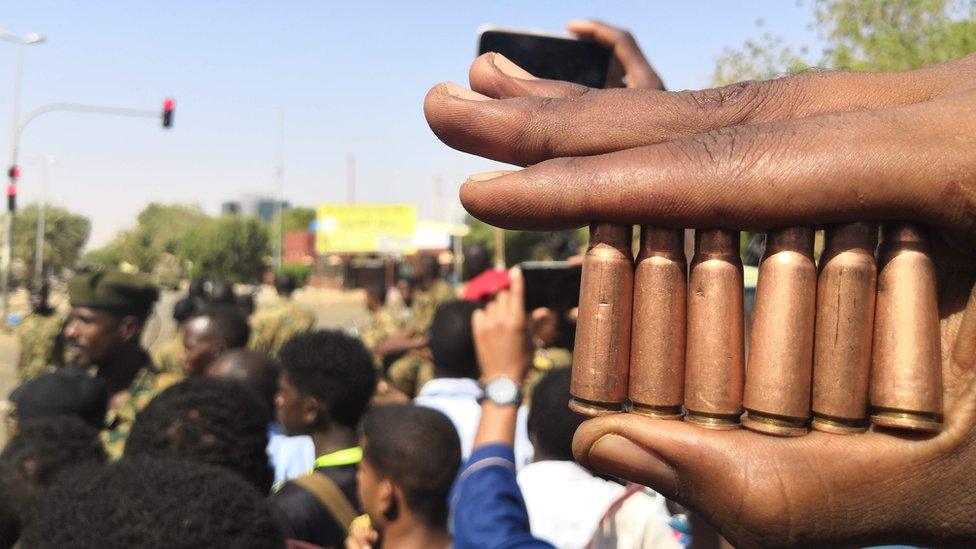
(826, 169)
(517, 302)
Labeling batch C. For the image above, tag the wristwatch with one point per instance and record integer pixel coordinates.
(502, 391)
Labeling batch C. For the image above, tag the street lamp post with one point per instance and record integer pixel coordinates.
(46, 163)
(19, 43)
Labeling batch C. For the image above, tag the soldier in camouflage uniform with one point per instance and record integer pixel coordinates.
(545, 334)
(433, 292)
(273, 326)
(40, 337)
(383, 322)
(409, 372)
(108, 311)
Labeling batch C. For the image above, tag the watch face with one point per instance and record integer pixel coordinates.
(502, 391)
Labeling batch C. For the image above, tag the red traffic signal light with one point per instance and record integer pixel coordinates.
(14, 173)
(168, 106)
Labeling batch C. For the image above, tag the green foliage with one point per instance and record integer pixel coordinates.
(860, 35)
(887, 35)
(525, 245)
(229, 248)
(159, 230)
(762, 58)
(65, 234)
(301, 272)
(297, 218)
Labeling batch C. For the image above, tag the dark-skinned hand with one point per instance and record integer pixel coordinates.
(815, 148)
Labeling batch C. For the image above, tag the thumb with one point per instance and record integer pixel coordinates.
(670, 457)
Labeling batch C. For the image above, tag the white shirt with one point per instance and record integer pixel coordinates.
(457, 398)
(565, 504)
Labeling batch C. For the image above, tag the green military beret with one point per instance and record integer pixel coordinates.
(114, 291)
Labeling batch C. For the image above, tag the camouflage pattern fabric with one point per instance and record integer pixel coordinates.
(41, 341)
(545, 359)
(167, 356)
(272, 327)
(149, 382)
(382, 324)
(409, 372)
(426, 302)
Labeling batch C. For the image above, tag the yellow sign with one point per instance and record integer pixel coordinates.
(345, 228)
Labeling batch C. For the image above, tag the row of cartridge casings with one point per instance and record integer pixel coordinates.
(664, 340)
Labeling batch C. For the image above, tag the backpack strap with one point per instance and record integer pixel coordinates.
(329, 495)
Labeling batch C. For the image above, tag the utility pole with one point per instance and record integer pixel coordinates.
(46, 163)
(439, 199)
(14, 171)
(280, 179)
(351, 179)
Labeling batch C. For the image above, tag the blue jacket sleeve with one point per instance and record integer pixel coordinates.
(487, 509)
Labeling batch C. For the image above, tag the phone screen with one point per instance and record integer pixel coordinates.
(552, 284)
(581, 61)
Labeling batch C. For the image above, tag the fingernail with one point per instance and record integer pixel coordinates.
(619, 457)
(454, 90)
(485, 176)
(510, 69)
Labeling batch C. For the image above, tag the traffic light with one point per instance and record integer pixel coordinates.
(168, 105)
(14, 174)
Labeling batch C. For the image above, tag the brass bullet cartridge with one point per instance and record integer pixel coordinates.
(601, 360)
(846, 290)
(779, 369)
(906, 368)
(657, 347)
(714, 361)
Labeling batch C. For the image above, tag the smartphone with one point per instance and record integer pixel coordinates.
(552, 284)
(554, 56)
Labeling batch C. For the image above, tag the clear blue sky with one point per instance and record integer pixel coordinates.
(350, 78)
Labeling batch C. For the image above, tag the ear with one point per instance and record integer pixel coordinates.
(129, 328)
(314, 412)
(390, 499)
(220, 347)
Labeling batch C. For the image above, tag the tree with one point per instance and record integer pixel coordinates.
(159, 230)
(297, 218)
(758, 59)
(229, 248)
(526, 245)
(65, 234)
(859, 35)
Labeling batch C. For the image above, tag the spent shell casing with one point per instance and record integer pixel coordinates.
(657, 347)
(714, 356)
(780, 364)
(846, 289)
(906, 367)
(601, 360)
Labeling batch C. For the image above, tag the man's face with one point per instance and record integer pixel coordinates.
(373, 492)
(37, 300)
(406, 291)
(289, 407)
(92, 335)
(200, 348)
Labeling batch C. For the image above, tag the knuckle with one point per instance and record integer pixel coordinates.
(536, 139)
(735, 103)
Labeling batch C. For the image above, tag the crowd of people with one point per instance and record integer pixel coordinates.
(260, 430)
(443, 421)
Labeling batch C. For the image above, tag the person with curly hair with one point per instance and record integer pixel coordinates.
(45, 448)
(152, 504)
(324, 389)
(206, 420)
